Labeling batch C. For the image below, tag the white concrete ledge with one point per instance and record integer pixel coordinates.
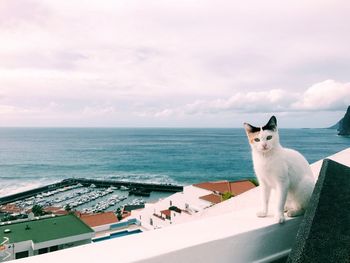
(241, 237)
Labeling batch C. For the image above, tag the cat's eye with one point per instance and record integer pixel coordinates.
(269, 137)
(257, 139)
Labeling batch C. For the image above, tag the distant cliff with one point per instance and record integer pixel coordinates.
(343, 126)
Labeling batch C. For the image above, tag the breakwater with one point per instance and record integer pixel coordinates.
(132, 187)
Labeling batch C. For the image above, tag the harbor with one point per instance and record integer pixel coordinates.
(86, 196)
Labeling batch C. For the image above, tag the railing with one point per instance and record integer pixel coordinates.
(123, 224)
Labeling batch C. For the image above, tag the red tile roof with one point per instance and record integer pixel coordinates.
(221, 187)
(55, 210)
(213, 198)
(99, 219)
(166, 212)
(60, 212)
(10, 208)
(241, 186)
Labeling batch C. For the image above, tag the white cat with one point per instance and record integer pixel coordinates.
(281, 169)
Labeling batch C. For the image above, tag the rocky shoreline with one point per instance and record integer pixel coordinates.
(343, 126)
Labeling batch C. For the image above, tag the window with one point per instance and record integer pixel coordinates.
(53, 248)
(43, 250)
(23, 254)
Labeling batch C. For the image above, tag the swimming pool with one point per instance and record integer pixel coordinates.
(117, 234)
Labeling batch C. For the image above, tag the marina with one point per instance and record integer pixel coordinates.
(86, 196)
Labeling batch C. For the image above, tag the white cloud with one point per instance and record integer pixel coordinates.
(164, 113)
(99, 111)
(328, 95)
(9, 110)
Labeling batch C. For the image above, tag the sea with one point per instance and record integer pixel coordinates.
(32, 157)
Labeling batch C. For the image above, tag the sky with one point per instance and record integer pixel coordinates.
(173, 63)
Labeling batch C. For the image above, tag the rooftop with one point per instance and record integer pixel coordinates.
(235, 188)
(166, 212)
(45, 229)
(55, 210)
(213, 198)
(100, 219)
(10, 208)
(129, 208)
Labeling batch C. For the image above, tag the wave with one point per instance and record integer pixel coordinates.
(13, 186)
(16, 178)
(143, 178)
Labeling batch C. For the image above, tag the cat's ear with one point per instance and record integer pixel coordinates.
(271, 124)
(250, 129)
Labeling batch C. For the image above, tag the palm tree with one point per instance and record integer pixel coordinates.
(119, 214)
(38, 210)
(68, 208)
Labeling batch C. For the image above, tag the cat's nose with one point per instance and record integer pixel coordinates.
(264, 146)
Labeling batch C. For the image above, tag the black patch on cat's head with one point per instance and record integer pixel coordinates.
(271, 124)
(250, 128)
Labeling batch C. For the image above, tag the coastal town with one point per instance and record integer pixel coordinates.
(78, 214)
(78, 211)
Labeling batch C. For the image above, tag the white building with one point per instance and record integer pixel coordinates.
(180, 207)
(42, 235)
(153, 216)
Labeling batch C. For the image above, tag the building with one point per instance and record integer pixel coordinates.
(106, 225)
(42, 235)
(55, 210)
(212, 198)
(220, 188)
(99, 222)
(10, 208)
(184, 206)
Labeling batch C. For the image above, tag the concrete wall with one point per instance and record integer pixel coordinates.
(19, 247)
(101, 228)
(67, 240)
(262, 245)
(33, 248)
(324, 234)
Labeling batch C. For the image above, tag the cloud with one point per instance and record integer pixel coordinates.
(9, 110)
(328, 95)
(98, 111)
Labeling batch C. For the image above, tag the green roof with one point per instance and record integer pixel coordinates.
(45, 229)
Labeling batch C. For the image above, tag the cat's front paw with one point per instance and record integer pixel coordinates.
(261, 214)
(280, 218)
